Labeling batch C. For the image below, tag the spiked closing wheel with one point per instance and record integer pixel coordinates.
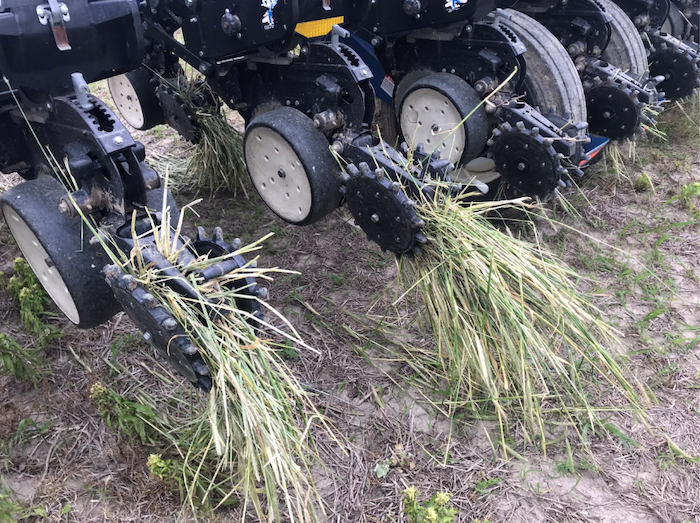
(613, 111)
(177, 114)
(382, 210)
(527, 161)
(159, 327)
(246, 288)
(678, 63)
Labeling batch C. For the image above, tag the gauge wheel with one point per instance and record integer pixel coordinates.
(58, 251)
(626, 48)
(135, 96)
(551, 80)
(430, 113)
(291, 166)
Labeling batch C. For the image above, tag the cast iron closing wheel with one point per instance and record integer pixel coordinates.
(430, 112)
(382, 210)
(552, 83)
(526, 161)
(135, 96)
(612, 111)
(58, 251)
(291, 166)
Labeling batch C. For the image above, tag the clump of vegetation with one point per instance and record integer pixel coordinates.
(12, 511)
(249, 441)
(216, 162)
(24, 364)
(643, 183)
(515, 339)
(437, 509)
(26, 291)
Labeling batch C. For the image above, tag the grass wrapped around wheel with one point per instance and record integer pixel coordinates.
(514, 335)
(256, 421)
(216, 161)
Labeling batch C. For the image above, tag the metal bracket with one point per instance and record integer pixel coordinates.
(56, 14)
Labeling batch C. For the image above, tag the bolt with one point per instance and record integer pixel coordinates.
(147, 336)
(169, 324)
(118, 140)
(521, 166)
(201, 54)
(607, 115)
(375, 41)
(281, 173)
(375, 218)
(193, 20)
(63, 207)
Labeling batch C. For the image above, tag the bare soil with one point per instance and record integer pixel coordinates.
(640, 255)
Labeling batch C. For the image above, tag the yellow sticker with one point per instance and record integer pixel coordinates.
(316, 28)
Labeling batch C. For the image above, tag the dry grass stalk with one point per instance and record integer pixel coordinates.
(514, 337)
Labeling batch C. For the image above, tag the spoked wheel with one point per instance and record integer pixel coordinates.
(431, 112)
(552, 82)
(135, 96)
(626, 47)
(58, 251)
(291, 166)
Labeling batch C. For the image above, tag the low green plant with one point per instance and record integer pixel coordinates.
(437, 509)
(25, 290)
(643, 183)
(12, 511)
(23, 364)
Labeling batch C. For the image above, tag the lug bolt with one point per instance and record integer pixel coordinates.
(375, 218)
(281, 173)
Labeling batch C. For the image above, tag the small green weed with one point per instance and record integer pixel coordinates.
(485, 487)
(25, 290)
(643, 183)
(24, 364)
(437, 509)
(11, 510)
(133, 419)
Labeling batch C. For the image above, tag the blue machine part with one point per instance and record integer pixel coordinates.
(384, 90)
(382, 82)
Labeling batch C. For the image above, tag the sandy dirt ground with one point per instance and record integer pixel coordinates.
(640, 255)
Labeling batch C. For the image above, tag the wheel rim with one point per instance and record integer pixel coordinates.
(127, 101)
(429, 117)
(40, 262)
(278, 174)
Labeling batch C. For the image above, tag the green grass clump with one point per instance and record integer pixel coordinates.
(249, 441)
(514, 337)
(216, 160)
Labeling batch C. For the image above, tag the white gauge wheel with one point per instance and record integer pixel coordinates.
(41, 263)
(278, 174)
(429, 117)
(126, 100)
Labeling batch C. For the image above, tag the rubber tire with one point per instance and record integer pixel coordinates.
(464, 98)
(312, 150)
(385, 120)
(551, 80)
(148, 103)
(78, 263)
(626, 49)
